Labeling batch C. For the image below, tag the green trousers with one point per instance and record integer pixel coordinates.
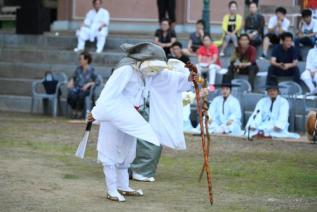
(147, 156)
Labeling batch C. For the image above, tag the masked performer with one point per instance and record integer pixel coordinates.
(142, 75)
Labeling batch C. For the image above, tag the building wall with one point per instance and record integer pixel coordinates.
(144, 12)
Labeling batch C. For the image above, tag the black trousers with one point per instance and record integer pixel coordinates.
(251, 71)
(277, 72)
(77, 99)
(166, 6)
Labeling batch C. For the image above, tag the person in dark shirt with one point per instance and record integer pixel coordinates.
(79, 86)
(165, 36)
(254, 25)
(247, 6)
(284, 59)
(195, 39)
(176, 53)
(243, 60)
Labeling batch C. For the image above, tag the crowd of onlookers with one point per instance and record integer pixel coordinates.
(247, 34)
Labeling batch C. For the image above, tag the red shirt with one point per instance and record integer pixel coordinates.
(208, 53)
(248, 56)
(312, 4)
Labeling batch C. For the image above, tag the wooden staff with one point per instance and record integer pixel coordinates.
(206, 117)
(193, 68)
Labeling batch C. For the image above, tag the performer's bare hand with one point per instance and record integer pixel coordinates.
(90, 118)
(193, 77)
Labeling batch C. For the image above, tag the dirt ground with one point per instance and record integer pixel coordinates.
(38, 172)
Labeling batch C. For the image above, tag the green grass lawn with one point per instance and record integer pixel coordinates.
(38, 172)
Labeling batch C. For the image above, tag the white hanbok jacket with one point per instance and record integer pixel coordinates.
(94, 20)
(121, 123)
(265, 120)
(220, 112)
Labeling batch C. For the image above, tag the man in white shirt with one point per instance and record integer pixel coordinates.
(95, 25)
(307, 31)
(309, 76)
(277, 25)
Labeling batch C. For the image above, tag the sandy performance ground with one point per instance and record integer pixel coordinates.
(38, 172)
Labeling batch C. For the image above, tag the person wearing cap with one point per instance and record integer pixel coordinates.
(270, 116)
(309, 76)
(225, 111)
(141, 74)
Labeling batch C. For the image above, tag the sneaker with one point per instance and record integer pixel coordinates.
(139, 177)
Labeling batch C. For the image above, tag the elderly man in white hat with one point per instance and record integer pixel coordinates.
(141, 75)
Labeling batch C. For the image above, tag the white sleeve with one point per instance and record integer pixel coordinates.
(88, 19)
(272, 23)
(212, 111)
(283, 115)
(310, 60)
(285, 25)
(112, 91)
(315, 26)
(107, 18)
(236, 115)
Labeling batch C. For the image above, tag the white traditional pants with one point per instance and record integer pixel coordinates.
(116, 177)
(86, 33)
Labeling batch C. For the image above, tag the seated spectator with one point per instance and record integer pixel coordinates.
(208, 59)
(79, 86)
(176, 52)
(309, 76)
(254, 25)
(277, 25)
(195, 39)
(243, 60)
(247, 6)
(165, 36)
(225, 111)
(307, 31)
(270, 116)
(95, 25)
(231, 25)
(284, 59)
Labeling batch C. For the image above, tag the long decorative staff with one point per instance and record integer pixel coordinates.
(193, 68)
(206, 118)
